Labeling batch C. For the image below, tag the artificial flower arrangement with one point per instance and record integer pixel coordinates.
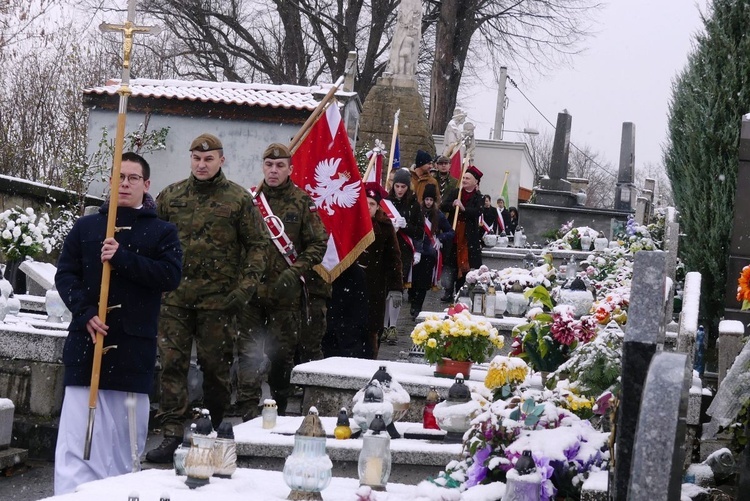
(743, 288)
(564, 447)
(569, 237)
(504, 374)
(549, 337)
(613, 307)
(23, 233)
(594, 368)
(635, 237)
(457, 336)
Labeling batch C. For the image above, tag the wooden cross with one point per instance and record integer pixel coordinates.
(129, 29)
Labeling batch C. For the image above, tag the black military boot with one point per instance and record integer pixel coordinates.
(164, 453)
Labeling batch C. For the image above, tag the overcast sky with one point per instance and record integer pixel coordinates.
(624, 75)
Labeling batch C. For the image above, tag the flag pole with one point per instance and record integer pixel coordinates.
(128, 29)
(394, 136)
(373, 157)
(315, 115)
(460, 188)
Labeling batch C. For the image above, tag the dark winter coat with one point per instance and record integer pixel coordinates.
(410, 210)
(382, 263)
(422, 273)
(147, 263)
(474, 232)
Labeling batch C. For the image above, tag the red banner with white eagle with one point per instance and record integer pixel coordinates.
(325, 167)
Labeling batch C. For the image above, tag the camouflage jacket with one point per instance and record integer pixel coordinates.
(223, 240)
(302, 225)
(445, 184)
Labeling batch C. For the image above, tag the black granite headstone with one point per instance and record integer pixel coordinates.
(658, 451)
(645, 323)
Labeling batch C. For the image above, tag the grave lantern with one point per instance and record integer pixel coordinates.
(517, 303)
(502, 240)
(600, 242)
(200, 461)
(342, 430)
(578, 297)
(373, 403)
(523, 483)
(478, 295)
(180, 454)
(455, 413)
(308, 470)
(529, 261)
(55, 306)
(489, 301)
(225, 451)
(464, 296)
(374, 465)
(501, 301)
(269, 413)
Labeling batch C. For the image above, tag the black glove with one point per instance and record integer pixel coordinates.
(287, 286)
(236, 300)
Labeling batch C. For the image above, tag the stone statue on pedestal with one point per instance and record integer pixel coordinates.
(406, 38)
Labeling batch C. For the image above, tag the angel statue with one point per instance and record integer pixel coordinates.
(406, 38)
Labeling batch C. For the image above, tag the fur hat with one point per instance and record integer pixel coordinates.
(206, 142)
(422, 158)
(375, 191)
(430, 191)
(475, 172)
(276, 151)
(402, 176)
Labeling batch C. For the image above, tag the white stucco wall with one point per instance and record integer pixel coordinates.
(243, 141)
(493, 158)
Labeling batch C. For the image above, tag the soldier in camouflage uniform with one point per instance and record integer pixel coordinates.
(272, 323)
(318, 293)
(224, 244)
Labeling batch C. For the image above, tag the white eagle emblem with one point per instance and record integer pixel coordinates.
(331, 189)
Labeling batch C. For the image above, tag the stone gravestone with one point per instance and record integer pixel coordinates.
(731, 334)
(9, 456)
(658, 453)
(644, 328)
(739, 244)
(625, 193)
(688, 327)
(40, 277)
(555, 190)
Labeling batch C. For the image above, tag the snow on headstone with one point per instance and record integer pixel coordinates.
(6, 422)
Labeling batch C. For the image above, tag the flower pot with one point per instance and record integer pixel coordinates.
(448, 368)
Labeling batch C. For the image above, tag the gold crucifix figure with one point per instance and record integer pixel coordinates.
(129, 29)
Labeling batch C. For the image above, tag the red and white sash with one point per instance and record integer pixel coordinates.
(500, 222)
(438, 269)
(275, 228)
(393, 213)
(484, 225)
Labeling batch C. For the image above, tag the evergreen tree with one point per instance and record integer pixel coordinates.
(701, 155)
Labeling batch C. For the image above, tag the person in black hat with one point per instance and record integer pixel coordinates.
(421, 176)
(467, 248)
(438, 236)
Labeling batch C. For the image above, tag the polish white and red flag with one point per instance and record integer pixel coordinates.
(325, 167)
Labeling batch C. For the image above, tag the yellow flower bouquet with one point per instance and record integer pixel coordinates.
(457, 336)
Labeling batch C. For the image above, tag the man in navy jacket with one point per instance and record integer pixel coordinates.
(146, 260)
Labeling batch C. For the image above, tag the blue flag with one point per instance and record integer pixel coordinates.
(396, 156)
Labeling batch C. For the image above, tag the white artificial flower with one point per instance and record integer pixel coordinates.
(29, 211)
(7, 235)
(10, 224)
(16, 232)
(23, 219)
(27, 242)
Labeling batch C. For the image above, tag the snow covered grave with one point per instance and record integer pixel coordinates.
(331, 383)
(413, 460)
(9, 456)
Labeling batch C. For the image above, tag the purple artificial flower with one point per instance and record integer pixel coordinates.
(478, 471)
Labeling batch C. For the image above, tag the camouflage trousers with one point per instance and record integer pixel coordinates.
(275, 332)
(213, 332)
